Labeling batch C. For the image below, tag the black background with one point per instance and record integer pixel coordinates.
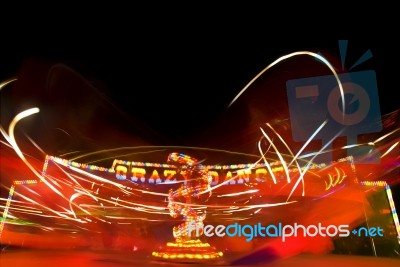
(199, 70)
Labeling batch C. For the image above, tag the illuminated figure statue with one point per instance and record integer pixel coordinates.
(194, 190)
(196, 183)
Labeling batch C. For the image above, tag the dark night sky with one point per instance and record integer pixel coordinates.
(199, 73)
(176, 74)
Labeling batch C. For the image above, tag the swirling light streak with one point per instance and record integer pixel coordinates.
(91, 176)
(143, 207)
(134, 218)
(151, 207)
(11, 139)
(235, 207)
(257, 211)
(35, 145)
(133, 205)
(112, 183)
(32, 212)
(4, 83)
(282, 58)
(56, 183)
(301, 177)
(124, 189)
(249, 207)
(8, 145)
(29, 200)
(86, 192)
(33, 192)
(294, 157)
(326, 62)
(235, 219)
(61, 215)
(266, 162)
(239, 193)
(98, 178)
(164, 147)
(369, 143)
(25, 210)
(283, 162)
(269, 168)
(151, 193)
(76, 195)
(66, 211)
(385, 136)
(13, 123)
(308, 141)
(126, 155)
(390, 149)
